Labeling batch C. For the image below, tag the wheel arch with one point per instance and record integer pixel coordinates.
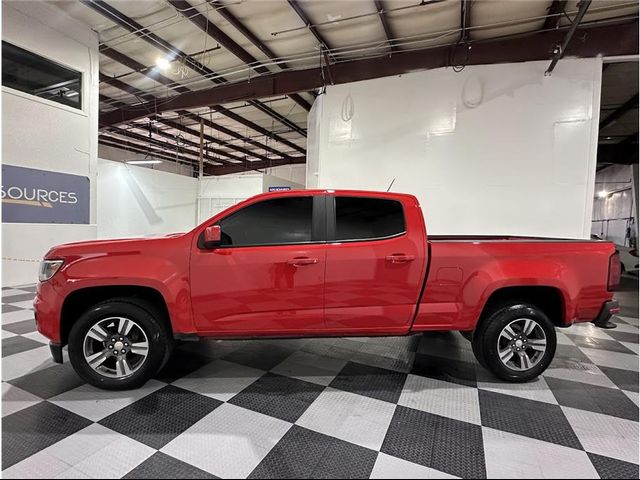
(80, 300)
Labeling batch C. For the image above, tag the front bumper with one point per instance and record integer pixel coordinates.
(56, 352)
(609, 309)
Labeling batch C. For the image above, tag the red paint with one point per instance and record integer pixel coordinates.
(352, 288)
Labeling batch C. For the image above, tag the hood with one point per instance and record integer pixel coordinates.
(123, 245)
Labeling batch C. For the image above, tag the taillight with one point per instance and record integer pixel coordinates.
(615, 270)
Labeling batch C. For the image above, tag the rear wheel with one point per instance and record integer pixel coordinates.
(119, 344)
(516, 342)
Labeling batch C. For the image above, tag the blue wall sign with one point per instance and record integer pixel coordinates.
(279, 189)
(40, 196)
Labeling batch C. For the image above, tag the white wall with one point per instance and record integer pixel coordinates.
(44, 135)
(296, 173)
(218, 193)
(494, 149)
(137, 201)
(613, 214)
(121, 155)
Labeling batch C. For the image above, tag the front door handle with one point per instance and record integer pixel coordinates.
(400, 258)
(302, 261)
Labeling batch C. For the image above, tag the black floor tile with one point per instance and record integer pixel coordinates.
(624, 379)
(623, 336)
(612, 468)
(20, 328)
(158, 418)
(21, 297)
(528, 418)
(35, 428)
(49, 382)
(445, 444)
(18, 344)
(6, 308)
(599, 343)
(447, 369)
(369, 381)
(182, 363)
(570, 352)
(303, 453)
(583, 396)
(278, 396)
(261, 355)
(163, 466)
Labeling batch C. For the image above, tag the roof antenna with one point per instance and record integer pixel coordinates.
(391, 184)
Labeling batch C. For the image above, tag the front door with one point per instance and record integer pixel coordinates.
(375, 265)
(267, 277)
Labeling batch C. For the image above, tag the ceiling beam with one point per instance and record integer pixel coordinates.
(136, 148)
(619, 112)
(173, 52)
(312, 28)
(224, 12)
(382, 14)
(613, 39)
(229, 169)
(560, 48)
(554, 14)
(193, 14)
(155, 75)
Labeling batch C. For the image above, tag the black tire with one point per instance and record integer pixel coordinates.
(467, 335)
(160, 341)
(485, 340)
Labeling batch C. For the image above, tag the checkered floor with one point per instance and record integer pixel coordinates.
(417, 407)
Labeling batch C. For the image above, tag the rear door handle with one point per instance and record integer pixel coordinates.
(302, 261)
(400, 258)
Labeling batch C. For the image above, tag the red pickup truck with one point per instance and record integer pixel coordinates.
(317, 263)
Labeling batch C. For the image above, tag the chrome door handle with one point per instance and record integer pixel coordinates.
(400, 258)
(302, 261)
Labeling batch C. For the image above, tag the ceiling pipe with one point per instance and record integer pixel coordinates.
(560, 49)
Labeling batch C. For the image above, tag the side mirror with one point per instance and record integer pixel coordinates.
(212, 236)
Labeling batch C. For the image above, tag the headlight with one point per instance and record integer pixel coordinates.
(48, 269)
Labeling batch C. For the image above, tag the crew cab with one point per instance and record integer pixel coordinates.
(316, 263)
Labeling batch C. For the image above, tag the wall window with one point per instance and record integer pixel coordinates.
(368, 218)
(273, 222)
(36, 75)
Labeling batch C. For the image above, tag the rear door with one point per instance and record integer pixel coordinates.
(375, 264)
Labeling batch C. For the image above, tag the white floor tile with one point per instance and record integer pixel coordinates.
(387, 466)
(605, 435)
(28, 304)
(220, 379)
(563, 339)
(632, 395)
(625, 361)
(310, 367)
(441, 398)
(38, 337)
(348, 416)
(20, 364)
(537, 389)
(8, 334)
(631, 320)
(96, 404)
(40, 465)
(583, 373)
(229, 442)
(631, 346)
(15, 399)
(513, 456)
(587, 330)
(17, 316)
(625, 328)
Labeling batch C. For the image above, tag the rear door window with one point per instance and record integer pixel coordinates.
(362, 218)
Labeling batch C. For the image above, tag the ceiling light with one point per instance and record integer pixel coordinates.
(143, 162)
(162, 63)
(603, 194)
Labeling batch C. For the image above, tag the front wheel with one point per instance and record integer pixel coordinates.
(517, 342)
(118, 344)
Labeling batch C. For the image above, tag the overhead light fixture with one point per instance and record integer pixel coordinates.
(143, 162)
(162, 63)
(603, 194)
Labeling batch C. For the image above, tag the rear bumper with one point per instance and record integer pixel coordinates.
(609, 309)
